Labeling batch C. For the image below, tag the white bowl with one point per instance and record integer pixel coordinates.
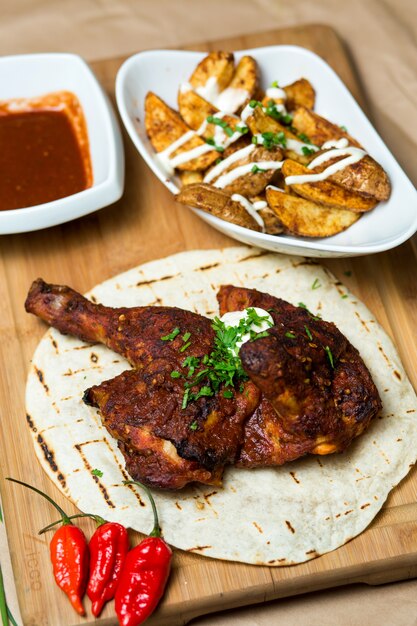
(161, 71)
(31, 75)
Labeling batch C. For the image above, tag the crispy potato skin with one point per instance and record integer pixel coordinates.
(252, 184)
(318, 129)
(164, 126)
(218, 64)
(308, 219)
(366, 177)
(188, 177)
(216, 202)
(300, 93)
(273, 225)
(246, 76)
(194, 109)
(326, 192)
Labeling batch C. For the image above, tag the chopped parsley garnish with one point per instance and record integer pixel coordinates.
(273, 111)
(211, 142)
(330, 356)
(186, 336)
(185, 346)
(171, 335)
(242, 129)
(193, 425)
(344, 296)
(175, 374)
(307, 151)
(304, 138)
(254, 139)
(97, 472)
(222, 367)
(290, 335)
(316, 284)
(274, 83)
(304, 306)
(255, 169)
(344, 129)
(308, 333)
(219, 122)
(217, 161)
(274, 139)
(255, 103)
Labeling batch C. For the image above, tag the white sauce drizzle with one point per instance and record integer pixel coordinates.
(229, 177)
(210, 90)
(335, 143)
(276, 93)
(291, 144)
(252, 208)
(233, 318)
(247, 112)
(231, 98)
(353, 155)
(223, 165)
(275, 188)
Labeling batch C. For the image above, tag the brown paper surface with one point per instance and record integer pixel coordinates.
(380, 36)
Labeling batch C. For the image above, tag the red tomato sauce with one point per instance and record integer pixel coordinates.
(42, 155)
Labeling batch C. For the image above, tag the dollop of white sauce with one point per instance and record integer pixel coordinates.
(231, 98)
(276, 93)
(241, 170)
(233, 318)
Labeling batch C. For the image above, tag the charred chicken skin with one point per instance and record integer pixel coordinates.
(305, 390)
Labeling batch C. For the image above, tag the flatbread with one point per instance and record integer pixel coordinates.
(273, 516)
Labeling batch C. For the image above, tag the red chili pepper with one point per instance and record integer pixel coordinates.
(108, 548)
(144, 575)
(69, 555)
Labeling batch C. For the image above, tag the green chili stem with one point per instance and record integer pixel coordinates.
(99, 521)
(11, 618)
(3, 605)
(65, 518)
(156, 531)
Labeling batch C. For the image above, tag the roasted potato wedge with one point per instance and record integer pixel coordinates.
(318, 129)
(273, 225)
(216, 202)
(326, 192)
(366, 177)
(188, 177)
(243, 86)
(260, 122)
(164, 126)
(308, 219)
(300, 93)
(216, 65)
(194, 109)
(251, 183)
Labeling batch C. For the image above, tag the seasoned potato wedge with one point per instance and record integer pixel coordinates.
(300, 93)
(216, 202)
(251, 183)
(188, 177)
(216, 65)
(366, 177)
(318, 129)
(245, 80)
(326, 192)
(260, 122)
(164, 126)
(273, 225)
(308, 219)
(193, 108)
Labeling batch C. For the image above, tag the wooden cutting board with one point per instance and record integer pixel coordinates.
(147, 224)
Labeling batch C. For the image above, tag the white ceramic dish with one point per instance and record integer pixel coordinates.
(31, 75)
(161, 71)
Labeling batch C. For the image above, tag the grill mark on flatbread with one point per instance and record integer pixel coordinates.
(258, 528)
(253, 256)
(89, 468)
(142, 283)
(93, 357)
(365, 505)
(199, 548)
(292, 474)
(31, 423)
(54, 343)
(85, 346)
(71, 372)
(40, 375)
(397, 374)
(50, 459)
(289, 526)
(364, 324)
(314, 552)
(381, 349)
(204, 268)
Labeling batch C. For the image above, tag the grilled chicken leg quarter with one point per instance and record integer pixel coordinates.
(295, 401)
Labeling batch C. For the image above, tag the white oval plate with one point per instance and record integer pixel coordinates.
(161, 71)
(32, 75)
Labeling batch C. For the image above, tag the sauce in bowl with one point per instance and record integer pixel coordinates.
(44, 152)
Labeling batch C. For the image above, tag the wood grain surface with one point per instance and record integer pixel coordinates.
(147, 224)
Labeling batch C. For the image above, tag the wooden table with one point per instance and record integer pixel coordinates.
(146, 224)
